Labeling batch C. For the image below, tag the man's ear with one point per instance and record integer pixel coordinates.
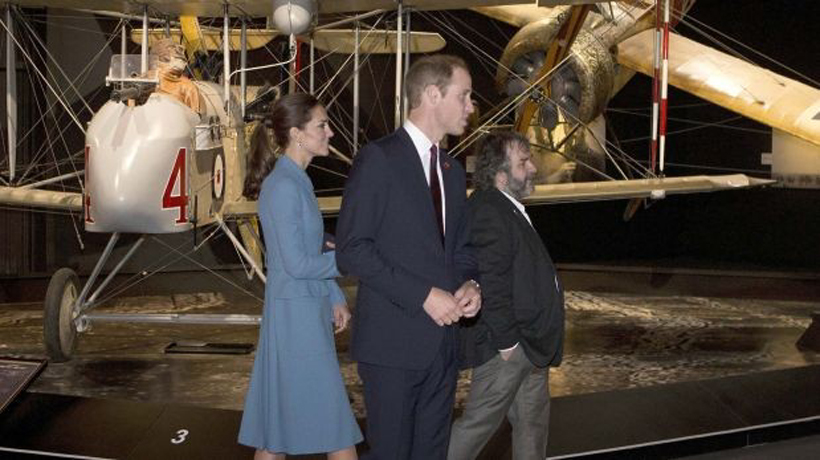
(432, 93)
(501, 180)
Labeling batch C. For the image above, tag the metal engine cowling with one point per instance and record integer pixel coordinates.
(581, 87)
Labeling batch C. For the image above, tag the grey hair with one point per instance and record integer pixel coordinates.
(492, 157)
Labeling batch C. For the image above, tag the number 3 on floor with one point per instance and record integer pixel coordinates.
(180, 438)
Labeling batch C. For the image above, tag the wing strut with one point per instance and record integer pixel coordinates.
(660, 84)
(355, 90)
(243, 62)
(144, 51)
(123, 48)
(226, 59)
(399, 61)
(11, 93)
(312, 72)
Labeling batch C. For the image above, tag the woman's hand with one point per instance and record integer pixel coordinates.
(341, 317)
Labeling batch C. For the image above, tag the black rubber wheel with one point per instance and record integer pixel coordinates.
(59, 332)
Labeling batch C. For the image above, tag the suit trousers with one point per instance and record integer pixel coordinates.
(409, 411)
(514, 388)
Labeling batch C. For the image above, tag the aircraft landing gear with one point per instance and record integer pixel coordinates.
(59, 331)
(68, 308)
(66, 305)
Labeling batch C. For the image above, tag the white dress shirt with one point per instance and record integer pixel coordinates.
(518, 206)
(423, 145)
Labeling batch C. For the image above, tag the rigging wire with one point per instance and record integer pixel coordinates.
(702, 125)
(699, 26)
(51, 58)
(150, 271)
(22, 50)
(377, 107)
(82, 77)
(49, 145)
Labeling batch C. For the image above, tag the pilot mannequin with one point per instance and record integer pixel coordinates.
(171, 64)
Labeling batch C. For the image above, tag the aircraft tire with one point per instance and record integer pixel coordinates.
(59, 332)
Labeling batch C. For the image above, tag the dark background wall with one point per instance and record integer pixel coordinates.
(764, 229)
(772, 228)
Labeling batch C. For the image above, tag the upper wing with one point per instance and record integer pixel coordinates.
(749, 90)
(331, 40)
(514, 15)
(256, 8)
(374, 41)
(210, 37)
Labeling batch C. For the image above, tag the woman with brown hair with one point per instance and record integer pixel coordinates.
(296, 401)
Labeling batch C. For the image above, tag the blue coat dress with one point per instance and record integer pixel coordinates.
(296, 401)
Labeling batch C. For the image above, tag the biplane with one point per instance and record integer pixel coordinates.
(150, 164)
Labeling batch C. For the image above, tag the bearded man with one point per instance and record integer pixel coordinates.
(519, 331)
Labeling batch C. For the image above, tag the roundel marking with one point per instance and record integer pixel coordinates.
(218, 183)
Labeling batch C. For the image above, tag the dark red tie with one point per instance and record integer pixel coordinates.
(435, 189)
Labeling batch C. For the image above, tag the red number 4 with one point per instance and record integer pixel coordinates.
(177, 181)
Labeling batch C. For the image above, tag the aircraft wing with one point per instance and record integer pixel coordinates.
(330, 40)
(514, 15)
(374, 41)
(754, 92)
(328, 206)
(28, 197)
(211, 37)
(638, 188)
(576, 192)
(255, 8)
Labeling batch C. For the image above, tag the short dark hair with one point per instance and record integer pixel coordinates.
(493, 157)
(430, 70)
(289, 111)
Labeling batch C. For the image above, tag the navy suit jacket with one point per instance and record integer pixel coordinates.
(387, 236)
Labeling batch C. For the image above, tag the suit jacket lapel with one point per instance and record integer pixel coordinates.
(450, 197)
(526, 228)
(419, 186)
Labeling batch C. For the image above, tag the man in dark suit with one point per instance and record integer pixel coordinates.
(519, 332)
(400, 232)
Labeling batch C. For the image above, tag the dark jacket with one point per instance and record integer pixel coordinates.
(388, 237)
(522, 300)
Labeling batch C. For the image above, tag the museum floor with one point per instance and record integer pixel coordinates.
(614, 342)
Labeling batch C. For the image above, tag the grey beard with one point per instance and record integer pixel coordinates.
(518, 189)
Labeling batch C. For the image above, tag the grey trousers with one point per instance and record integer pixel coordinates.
(514, 388)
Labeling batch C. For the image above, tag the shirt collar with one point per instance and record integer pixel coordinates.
(419, 139)
(517, 203)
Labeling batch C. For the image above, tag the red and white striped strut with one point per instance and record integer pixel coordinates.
(656, 79)
(664, 83)
(660, 83)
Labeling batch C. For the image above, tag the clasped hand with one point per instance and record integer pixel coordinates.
(341, 317)
(445, 308)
